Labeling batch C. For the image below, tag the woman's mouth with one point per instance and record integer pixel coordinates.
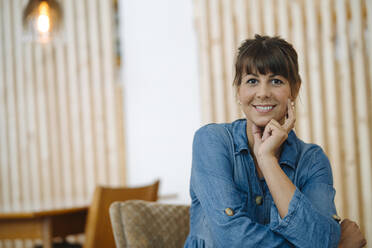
(263, 108)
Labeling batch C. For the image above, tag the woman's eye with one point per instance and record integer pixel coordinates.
(276, 81)
(252, 81)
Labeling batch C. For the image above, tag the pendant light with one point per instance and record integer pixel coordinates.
(42, 20)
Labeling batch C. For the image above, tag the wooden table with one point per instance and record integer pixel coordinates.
(43, 225)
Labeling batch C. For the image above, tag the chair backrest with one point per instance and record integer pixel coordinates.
(98, 230)
(149, 224)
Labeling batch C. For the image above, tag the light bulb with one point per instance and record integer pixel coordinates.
(43, 24)
(43, 20)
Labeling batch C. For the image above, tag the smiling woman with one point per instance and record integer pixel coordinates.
(254, 183)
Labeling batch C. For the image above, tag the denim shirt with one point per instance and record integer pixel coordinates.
(232, 207)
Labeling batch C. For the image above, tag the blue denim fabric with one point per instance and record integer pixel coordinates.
(224, 176)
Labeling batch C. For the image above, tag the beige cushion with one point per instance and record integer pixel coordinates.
(144, 224)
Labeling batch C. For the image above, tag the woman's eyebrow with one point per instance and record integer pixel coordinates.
(274, 75)
(251, 74)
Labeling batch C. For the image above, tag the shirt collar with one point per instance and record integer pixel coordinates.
(289, 152)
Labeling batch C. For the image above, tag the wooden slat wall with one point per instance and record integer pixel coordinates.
(333, 39)
(61, 115)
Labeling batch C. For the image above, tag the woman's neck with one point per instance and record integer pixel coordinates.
(250, 138)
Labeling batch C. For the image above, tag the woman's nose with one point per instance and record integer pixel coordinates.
(263, 91)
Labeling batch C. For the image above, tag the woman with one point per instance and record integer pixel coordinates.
(253, 182)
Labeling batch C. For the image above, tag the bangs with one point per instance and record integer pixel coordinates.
(263, 55)
(265, 60)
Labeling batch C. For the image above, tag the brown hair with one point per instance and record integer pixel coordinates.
(266, 54)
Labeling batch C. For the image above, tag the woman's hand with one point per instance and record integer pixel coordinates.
(351, 236)
(267, 142)
(266, 149)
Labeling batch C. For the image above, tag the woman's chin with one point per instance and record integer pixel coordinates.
(261, 123)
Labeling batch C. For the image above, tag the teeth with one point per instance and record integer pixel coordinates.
(264, 108)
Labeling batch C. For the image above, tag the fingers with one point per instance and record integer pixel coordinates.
(290, 121)
(257, 134)
(364, 242)
(273, 125)
(345, 222)
(267, 132)
(348, 222)
(351, 230)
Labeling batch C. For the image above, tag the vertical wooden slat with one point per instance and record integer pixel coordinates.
(64, 116)
(23, 169)
(328, 33)
(361, 92)
(254, 17)
(276, 17)
(52, 126)
(217, 71)
(268, 17)
(41, 101)
(224, 77)
(314, 75)
(60, 118)
(84, 96)
(228, 58)
(247, 12)
(348, 150)
(368, 43)
(261, 15)
(303, 107)
(97, 123)
(337, 68)
(108, 59)
(32, 143)
(282, 19)
(119, 94)
(74, 105)
(4, 179)
(242, 23)
(322, 92)
(205, 79)
(210, 59)
(367, 7)
(234, 24)
(11, 109)
(80, 180)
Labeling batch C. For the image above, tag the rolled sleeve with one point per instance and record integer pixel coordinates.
(309, 221)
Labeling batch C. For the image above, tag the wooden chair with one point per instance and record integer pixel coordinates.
(98, 230)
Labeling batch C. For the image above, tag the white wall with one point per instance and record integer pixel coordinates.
(160, 80)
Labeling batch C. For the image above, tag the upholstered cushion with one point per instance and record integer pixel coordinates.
(149, 224)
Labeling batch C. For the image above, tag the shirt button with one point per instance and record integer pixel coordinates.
(336, 217)
(259, 200)
(229, 211)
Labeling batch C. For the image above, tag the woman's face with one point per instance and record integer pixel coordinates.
(264, 97)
